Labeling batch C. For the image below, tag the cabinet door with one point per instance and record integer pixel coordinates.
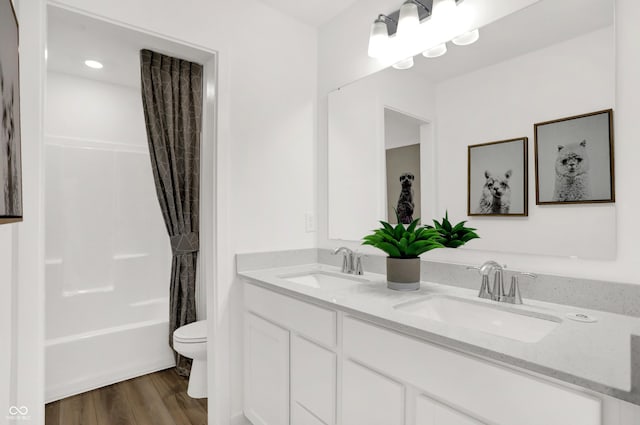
(266, 372)
(370, 398)
(430, 412)
(313, 379)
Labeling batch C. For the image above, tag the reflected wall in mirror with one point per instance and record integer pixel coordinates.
(542, 63)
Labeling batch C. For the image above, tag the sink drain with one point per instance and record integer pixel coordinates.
(582, 317)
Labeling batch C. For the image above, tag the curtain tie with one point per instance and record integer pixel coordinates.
(185, 243)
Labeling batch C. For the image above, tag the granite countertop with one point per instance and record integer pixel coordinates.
(603, 356)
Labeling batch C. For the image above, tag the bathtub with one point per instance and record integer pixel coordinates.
(89, 360)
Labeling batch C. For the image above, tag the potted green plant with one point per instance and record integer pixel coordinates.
(452, 236)
(404, 245)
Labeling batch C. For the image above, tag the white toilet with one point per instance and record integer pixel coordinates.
(191, 341)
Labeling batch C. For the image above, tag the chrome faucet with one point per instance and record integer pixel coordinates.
(496, 292)
(351, 261)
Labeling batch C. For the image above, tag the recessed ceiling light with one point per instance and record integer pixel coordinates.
(93, 64)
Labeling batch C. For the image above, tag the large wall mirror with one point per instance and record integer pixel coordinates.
(551, 60)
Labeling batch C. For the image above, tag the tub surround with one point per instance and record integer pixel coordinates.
(602, 356)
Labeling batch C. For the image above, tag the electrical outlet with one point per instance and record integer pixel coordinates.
(309, 222)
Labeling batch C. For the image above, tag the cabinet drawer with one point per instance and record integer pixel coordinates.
(491, 393)
(430, 412)
(316, 323)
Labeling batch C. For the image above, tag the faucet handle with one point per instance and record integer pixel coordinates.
(485, 289)
(514, 296)
(473, 268)
(357, 266)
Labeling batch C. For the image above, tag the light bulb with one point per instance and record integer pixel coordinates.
(409, 19)
(378, 39)
(93, 64)
(467, 38)
(444, 9)
(436, 51)
(404, 64)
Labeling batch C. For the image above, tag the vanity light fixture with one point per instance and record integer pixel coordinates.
(93, 64)
(404, 64)
(379, 37)
(409, 18)
(435, 52)
(466, 38)
(419, 25)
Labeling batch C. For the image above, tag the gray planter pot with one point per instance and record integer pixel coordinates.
(403, 274)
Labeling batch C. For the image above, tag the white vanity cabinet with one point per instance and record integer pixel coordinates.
(310, 365)
(290, 363)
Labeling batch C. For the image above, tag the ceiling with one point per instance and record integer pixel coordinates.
(73, 38)
(312, 12)
(540, 25)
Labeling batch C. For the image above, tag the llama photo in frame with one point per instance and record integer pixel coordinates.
(574, 159)
(10, 155)
(497, 178)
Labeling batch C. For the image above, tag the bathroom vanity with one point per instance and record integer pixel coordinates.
(324, 347)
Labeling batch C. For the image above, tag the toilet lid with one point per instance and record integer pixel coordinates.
(193, 332)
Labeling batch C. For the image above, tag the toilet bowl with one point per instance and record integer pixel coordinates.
(191, 341)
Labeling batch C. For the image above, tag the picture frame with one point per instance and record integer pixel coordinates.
(10, 135)
(574, 159)
(497, 178)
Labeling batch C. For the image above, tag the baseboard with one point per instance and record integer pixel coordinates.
(102, 380)
(240, 419)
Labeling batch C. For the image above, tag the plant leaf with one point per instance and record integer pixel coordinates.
(389, 249)
(398, 231)
(413, 225)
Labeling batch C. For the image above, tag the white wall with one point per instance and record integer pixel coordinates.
(6, 312)
(346, 62)
(502, 102)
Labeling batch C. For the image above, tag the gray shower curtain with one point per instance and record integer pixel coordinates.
(172, 101)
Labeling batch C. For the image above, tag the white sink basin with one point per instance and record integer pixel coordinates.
(518, 325)
(323, 280)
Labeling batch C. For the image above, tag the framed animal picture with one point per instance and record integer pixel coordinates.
(574, 159)
(403, 184)
(497, 178)
(10, 155)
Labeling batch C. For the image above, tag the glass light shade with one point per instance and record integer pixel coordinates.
(467, 38)
(444, 9)
(435, 52)
(404, 64)
(378, 39)
(409, 19)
